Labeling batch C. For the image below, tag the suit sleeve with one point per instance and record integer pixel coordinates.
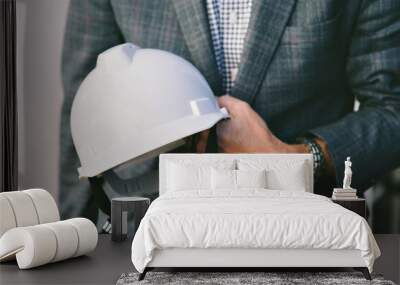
(371, 136)
(91, 28)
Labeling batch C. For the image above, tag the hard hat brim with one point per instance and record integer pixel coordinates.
(155, 138)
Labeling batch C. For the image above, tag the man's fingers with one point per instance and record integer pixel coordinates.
(233, 105)
(226, 101)
(202, 139)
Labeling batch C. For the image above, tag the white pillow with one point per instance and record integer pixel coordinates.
(290, 175)
(223, 179)
(288, 179)
(187, 174)
(181, 178)
(251, 178)
(235, 179)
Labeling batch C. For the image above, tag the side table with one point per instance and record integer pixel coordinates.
(357, 205)
(120, 207)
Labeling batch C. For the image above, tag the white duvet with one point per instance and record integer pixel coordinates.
(250, 219)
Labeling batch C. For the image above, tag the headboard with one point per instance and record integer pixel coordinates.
(165, 158)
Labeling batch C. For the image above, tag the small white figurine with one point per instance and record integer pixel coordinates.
(348, 173)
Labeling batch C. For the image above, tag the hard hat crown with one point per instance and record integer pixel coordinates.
(137, 101)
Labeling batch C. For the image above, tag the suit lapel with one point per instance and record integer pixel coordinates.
(267, 23)
(193, 20)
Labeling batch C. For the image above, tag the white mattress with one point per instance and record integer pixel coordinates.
(257, 219)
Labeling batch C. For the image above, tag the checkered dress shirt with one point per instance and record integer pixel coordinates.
(228, 21)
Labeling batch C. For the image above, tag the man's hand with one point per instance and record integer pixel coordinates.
(246, 131)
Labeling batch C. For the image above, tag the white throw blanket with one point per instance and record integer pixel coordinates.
(250, 219)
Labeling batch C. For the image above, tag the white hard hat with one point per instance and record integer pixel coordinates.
(138, 103)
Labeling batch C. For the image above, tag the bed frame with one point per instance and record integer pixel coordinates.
(245, 259)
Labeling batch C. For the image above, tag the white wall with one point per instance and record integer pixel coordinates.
(40, 27)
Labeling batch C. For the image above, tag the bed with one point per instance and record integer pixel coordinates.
(246, 211)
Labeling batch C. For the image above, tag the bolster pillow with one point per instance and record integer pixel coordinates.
(40, 244)
(26, 208)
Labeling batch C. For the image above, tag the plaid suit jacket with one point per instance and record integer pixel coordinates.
(303, 64)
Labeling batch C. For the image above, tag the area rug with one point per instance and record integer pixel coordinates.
(268, 278)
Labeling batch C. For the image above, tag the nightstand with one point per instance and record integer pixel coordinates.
(120, 207)
(356, 205)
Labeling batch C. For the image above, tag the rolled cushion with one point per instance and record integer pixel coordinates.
(87, 235)
(46, 207)
(67, 240)
(26, 208)
(23, 208)
(33, 246)
(40, 244)
(7, 218)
